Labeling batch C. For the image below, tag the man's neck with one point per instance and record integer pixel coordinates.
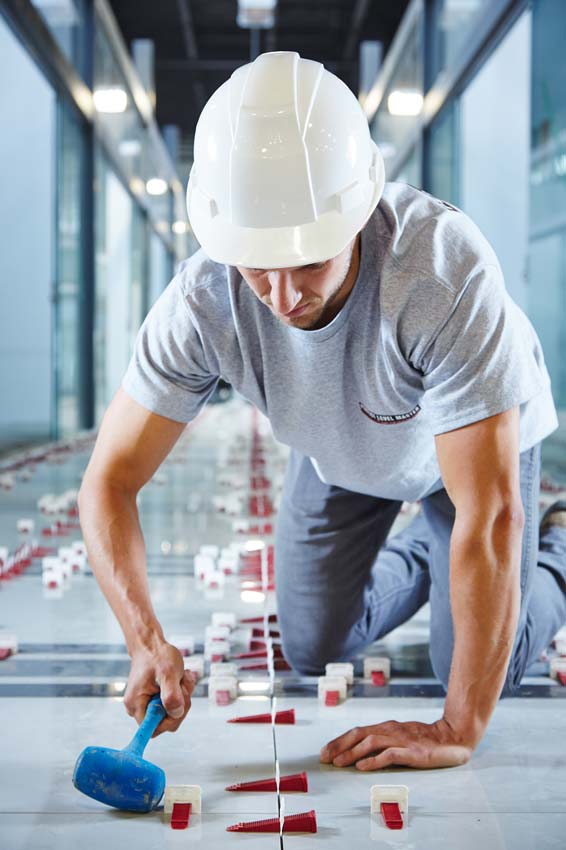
(343, 293)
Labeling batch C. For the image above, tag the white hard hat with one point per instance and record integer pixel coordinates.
(285, 171)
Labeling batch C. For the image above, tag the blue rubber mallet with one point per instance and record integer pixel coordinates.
(122, 778)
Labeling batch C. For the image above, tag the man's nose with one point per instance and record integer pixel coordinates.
(284, 296)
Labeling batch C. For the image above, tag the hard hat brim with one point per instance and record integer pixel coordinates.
(278, 247)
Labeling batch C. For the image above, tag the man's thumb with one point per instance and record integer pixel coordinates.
(173, 701)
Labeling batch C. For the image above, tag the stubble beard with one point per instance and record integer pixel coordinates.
(325, 312)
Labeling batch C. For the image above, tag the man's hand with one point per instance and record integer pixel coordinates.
(159, 671)
(422, 745)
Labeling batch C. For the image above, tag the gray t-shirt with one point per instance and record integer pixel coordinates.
(429, 340)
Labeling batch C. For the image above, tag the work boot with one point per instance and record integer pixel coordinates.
(555, 514)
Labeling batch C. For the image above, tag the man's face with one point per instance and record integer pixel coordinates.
(306, 297)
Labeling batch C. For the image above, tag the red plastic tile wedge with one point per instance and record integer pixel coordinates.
(271, 619)
(561, 676)
(42, 551)
(332, 698)
(304, 822)
(378, 678)
(392, 815)
(256, 653)
(286, 718)
(180, 815)
(281, 717)
(254, 785)
(259, 633)
(5, 652)
(252, 718)
(292, 782)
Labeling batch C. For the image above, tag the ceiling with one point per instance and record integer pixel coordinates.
(198, 45)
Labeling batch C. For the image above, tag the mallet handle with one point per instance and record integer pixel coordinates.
(154, 714)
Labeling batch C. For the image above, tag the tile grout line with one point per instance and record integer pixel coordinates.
(270, 661)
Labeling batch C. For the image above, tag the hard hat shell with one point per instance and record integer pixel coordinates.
(285, 171)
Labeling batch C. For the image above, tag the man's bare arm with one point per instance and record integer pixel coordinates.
(480, 469)
(131, 444)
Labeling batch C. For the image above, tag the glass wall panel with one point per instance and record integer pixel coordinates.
(400, 108)
(547, 259)
(494, 152)
(26, 245)
(411, 170)
(139, 270)
(124, 132)
(117, 115)
(159, 266)
(66, 22)
(68, 283)
(453, 25)
(443, 155)
(114, 274)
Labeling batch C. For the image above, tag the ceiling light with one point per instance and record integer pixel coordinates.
(179, 227)
(110, 100)
(256, 14)
(405, 102)
(156, 186)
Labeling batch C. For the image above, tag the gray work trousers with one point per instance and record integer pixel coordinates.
(342, 585)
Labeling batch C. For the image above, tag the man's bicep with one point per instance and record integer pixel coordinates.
(132, 443)
(479, 464)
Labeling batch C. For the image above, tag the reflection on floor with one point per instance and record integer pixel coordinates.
(62, 690)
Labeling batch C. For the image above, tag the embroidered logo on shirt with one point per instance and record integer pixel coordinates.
(389, 418)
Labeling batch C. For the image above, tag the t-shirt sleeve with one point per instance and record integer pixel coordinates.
(485, 358)
(168, 373)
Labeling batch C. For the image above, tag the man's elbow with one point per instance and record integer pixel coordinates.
(511, 515)
(95, 486)
(504, 522)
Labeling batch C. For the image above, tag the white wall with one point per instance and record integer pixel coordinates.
(27, 115)
(495, 153)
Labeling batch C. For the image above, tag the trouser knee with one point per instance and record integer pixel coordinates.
(310, 654)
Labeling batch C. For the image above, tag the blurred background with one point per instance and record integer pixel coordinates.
(98, 104)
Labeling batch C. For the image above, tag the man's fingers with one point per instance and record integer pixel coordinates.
(140, 709)
(341, 744)
(370, 744)
(393, 755)
(188, 681)
(172, 723)
(172, 697)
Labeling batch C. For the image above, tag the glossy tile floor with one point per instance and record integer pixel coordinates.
(63, 691)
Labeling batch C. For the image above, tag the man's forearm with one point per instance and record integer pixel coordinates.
(485, 600)
(116, 551)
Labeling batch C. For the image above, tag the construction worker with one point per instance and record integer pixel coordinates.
(369, 321)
